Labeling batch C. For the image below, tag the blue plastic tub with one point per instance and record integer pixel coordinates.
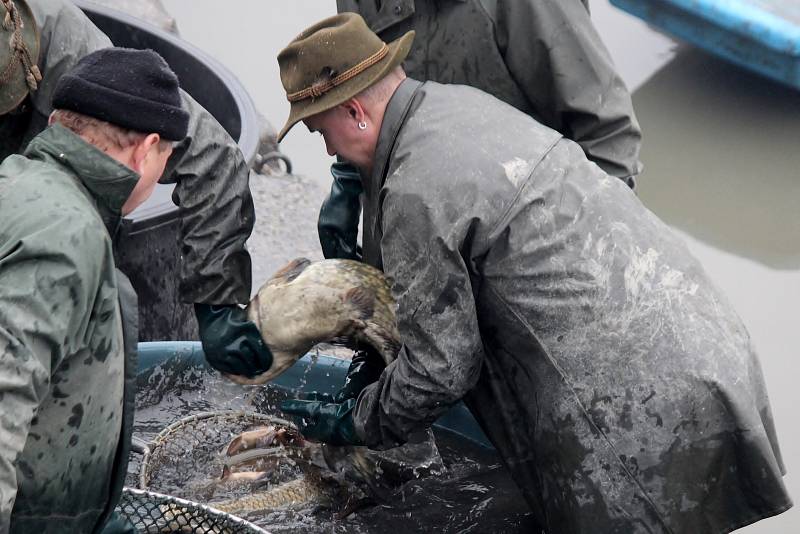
(320, 373)
(761, 35)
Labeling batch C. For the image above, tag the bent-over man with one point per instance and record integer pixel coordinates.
(615, 380)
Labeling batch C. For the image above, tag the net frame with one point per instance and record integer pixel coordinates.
(220, 419)
(152, 512)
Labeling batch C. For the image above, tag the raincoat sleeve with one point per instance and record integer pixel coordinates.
(211, 176)
(216, 211)
(556, 56)
(442, 352)
(44, 297)
(66, 36)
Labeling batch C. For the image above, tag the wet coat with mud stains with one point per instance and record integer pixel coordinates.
(66, 373)
(615, 380)
(209, 170)
(543, 57)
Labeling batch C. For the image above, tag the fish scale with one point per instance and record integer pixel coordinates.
(297, 491)
(306, 303)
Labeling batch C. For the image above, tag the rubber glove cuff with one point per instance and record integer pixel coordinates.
(340, 214)
(330, 423)
(365, 368)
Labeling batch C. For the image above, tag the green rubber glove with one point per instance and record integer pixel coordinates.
(232, 344)
(340, 213)
(365, 368)
(330, 423)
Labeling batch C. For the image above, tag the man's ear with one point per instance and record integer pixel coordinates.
(142, 150)
(354, 109)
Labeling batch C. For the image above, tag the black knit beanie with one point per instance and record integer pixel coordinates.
(134, 89)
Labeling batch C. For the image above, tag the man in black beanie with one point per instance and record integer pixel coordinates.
(40, 42)
(68, 317)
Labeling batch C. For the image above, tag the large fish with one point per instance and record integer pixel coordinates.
(307, 303)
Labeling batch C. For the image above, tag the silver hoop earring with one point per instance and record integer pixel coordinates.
(362, 125)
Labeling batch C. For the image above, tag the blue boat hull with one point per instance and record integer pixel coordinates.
(761, 35)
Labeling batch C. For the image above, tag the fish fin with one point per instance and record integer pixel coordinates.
(362, 300)
(290, 271)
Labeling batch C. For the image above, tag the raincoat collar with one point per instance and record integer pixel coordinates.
(393, 119)
(108, 181)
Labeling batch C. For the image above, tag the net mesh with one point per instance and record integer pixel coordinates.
(180, 457)
(152, 513)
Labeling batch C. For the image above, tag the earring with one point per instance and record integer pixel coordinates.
(362, 125)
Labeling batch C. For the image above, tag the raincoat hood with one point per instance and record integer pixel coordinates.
(108, 181)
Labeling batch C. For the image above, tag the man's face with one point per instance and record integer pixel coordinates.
(151, 169)
(342, 136)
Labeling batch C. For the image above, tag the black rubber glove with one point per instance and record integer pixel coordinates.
(232, 344)
(340, 213)
(366, 368)
(330, 423)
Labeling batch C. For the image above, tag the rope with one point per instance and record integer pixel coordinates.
(13, 22)
(319, 88)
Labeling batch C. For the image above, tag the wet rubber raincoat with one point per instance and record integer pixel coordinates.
(614, 379)
(543, 57)
(67, 376)
(209, 170)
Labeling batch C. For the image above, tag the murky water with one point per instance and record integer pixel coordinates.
(721, 156)
(473, 494)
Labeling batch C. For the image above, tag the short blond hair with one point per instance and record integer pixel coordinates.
(102, 134)
(384, 88)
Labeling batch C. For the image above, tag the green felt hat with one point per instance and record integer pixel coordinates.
(333, 61)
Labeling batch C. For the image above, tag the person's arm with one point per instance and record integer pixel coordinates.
(42, 300)
(217, 215)
(556, 56)
(212, 178)
(442, 352)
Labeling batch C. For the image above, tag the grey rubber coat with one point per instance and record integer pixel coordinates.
(543, 57)
(67, 374)
(210, 173)
(614, 379)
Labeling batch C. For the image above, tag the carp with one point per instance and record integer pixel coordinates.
(255, 457)
(307, 303)
(297, 491)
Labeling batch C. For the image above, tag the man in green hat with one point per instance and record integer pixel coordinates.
(46, 38)
(544, 57)
(68, 318)
(616, 382)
